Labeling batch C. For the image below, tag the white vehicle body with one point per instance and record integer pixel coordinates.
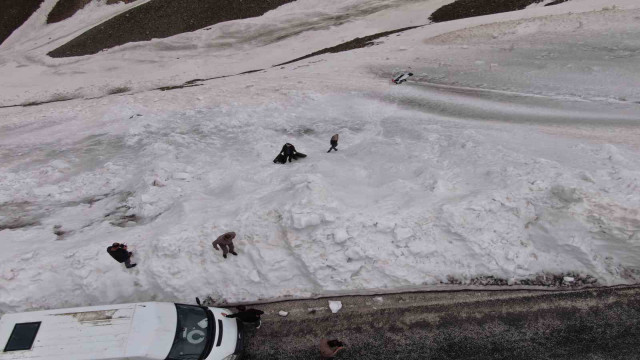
(139, 331)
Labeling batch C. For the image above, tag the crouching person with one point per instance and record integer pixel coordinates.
(120, 253)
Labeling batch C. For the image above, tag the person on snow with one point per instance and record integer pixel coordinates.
(247, 315)
(334, 143)
(289, 151)
(226, 243)
(120, 253)
(329, 348)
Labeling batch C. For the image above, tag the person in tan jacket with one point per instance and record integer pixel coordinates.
(334, 143)
(225, 241)
(329, 348)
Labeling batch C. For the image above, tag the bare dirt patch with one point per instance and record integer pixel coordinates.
(161, 19)
(65, 9)
(461, 9)
(350, 45)
(14, 13)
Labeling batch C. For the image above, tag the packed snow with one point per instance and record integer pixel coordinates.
(511, 152)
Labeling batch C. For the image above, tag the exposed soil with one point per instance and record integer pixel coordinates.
(65, 9)
(596, 323)
(461, 9)
(14, 13)
(556, 2)
(161, 19)
(350, 45)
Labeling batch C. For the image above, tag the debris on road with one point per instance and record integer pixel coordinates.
(335, 306)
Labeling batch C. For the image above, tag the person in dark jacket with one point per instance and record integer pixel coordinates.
(288, 150)
(120, 253)
(225, 241)
(247, 316)
(334, 143)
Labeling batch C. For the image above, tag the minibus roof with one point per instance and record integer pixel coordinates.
(137, 331)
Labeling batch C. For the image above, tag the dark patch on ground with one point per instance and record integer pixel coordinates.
(119, 90)
(196, 82)
(356, 43)
(18, 215)
(65, 9)
(586, 324)
(545, 279)
(174, 87)
(55, 98)
(14, 13)
(161, 19)
(461, 9)
(556, 2)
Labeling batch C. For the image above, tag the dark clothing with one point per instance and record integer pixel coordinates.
(334, 143)
(333, 146)
(288, 149)
(288, 152)
(280, 159)
(225, 241)
(121, 255)
(249, 316)
(128, 264)
(227, 249)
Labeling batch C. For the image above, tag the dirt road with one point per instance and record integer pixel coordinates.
(582, 324)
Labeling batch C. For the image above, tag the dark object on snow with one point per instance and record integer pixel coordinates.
(280, 159)
(401, 78)
(248, 316)
(334, 143)
(14, 14)
(161, 19)
(329, 348)
(461, 9)
(120, 253)
(225, 241)
(356, 43)
(556, 2)
(288, 152)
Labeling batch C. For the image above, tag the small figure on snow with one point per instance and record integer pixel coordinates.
(247, 315)
(120, 253)
(288, 152)
(226, 243)
(401, 78)
(329, 348)
(334, 143)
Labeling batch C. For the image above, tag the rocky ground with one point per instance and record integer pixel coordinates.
(161, 19)
(461, 9)
(523, 324)
(65, 9)
(14, 13)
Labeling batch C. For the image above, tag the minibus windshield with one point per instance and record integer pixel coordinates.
(193, 333)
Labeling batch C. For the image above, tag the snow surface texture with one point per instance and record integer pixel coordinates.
(495, 159)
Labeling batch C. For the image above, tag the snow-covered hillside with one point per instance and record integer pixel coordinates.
(512, 152)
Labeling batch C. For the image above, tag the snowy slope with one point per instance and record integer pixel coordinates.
(512, 152)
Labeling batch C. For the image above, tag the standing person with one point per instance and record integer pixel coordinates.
(248, 316)
(329, 348)
(288, 150)
(226, 243)
(334, 143)
(120, 253)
